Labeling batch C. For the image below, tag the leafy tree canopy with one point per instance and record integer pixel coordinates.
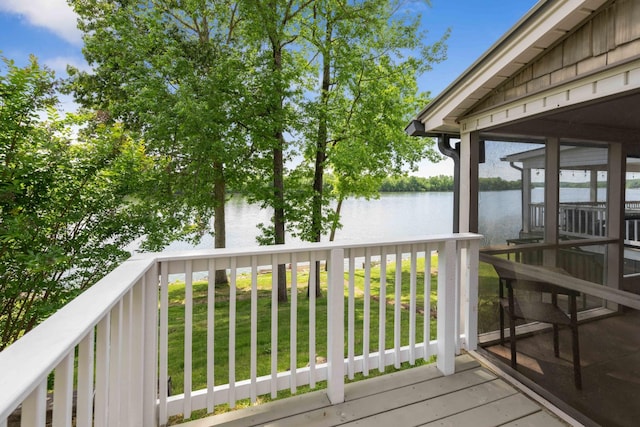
(68, 205)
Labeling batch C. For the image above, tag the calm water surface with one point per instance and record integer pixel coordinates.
(392, 216)
(398, 216)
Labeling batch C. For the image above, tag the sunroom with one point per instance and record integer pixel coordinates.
(554, 104)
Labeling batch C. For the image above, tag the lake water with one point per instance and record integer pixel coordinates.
(393, 215)
(399, 215)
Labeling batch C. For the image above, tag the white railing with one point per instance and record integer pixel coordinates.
(582, 221)
(116, 335)
(585, 220)
(112, 326)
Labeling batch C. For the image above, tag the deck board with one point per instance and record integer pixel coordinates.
(498, 412)
(534, 420)
(388, 401)
(438, 407)
(419, 396)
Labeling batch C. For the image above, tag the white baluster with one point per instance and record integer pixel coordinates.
(115, 365)
(102, 372)
(426, 323)
(254, 327)
(274, 326)
(211, 310)
(188, 338)
(367, 312)
(164, 343)
(63, 392)
(312, 319)
(293, 334)
(232, 335)
(84, 406)
(397, 318)
(413, 278)
(34, 407)
(351, 321)
(382, 313)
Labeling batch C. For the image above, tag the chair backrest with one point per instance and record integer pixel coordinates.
(511, 278)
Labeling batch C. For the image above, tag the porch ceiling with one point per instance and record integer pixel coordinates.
(613, 119)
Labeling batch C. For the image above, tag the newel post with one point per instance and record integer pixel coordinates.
(446, 307)
(335, 318)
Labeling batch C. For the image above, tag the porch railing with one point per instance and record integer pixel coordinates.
(587, 220)
(108, 350)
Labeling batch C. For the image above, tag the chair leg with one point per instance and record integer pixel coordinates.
(500, 297)
(501, 325)
(577, 369)
(556, 339)
(512, 327)
(512, 341)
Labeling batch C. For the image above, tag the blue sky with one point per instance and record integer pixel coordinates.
(46, 28)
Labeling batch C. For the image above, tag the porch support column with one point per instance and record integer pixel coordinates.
(526, 200)
(615, 215)
(593, 186)
(469, 159)
(551, 197)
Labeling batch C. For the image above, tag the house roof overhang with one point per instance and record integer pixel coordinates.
(571, 158)
(546, 23)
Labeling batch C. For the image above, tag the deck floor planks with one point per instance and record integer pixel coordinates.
(357, 390)
(410, 397)
(390, 400)
(438, 407)
(498, 412)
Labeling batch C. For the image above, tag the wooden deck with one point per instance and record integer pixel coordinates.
(473, 396)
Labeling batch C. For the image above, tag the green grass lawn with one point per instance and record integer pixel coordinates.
(243, 319)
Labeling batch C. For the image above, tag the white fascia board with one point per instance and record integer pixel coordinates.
(547, 22)
(602, 84)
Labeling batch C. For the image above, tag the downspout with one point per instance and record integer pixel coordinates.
(444, 145)
(416, 128)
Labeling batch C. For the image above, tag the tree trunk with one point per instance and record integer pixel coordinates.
(278, 217)
(219, 227)
(278, 187)
(321, 152)
(334, 226)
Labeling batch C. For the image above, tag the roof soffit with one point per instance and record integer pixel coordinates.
(544, 25)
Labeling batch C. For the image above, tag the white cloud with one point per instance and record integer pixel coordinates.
(54, 15)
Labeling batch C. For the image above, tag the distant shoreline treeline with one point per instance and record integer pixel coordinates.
(418, 184)
(441, 183)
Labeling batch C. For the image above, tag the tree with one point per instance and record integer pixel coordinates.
(68, 205)
(366, 95)
(219, 88)
(276, 25)
(179, 75)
